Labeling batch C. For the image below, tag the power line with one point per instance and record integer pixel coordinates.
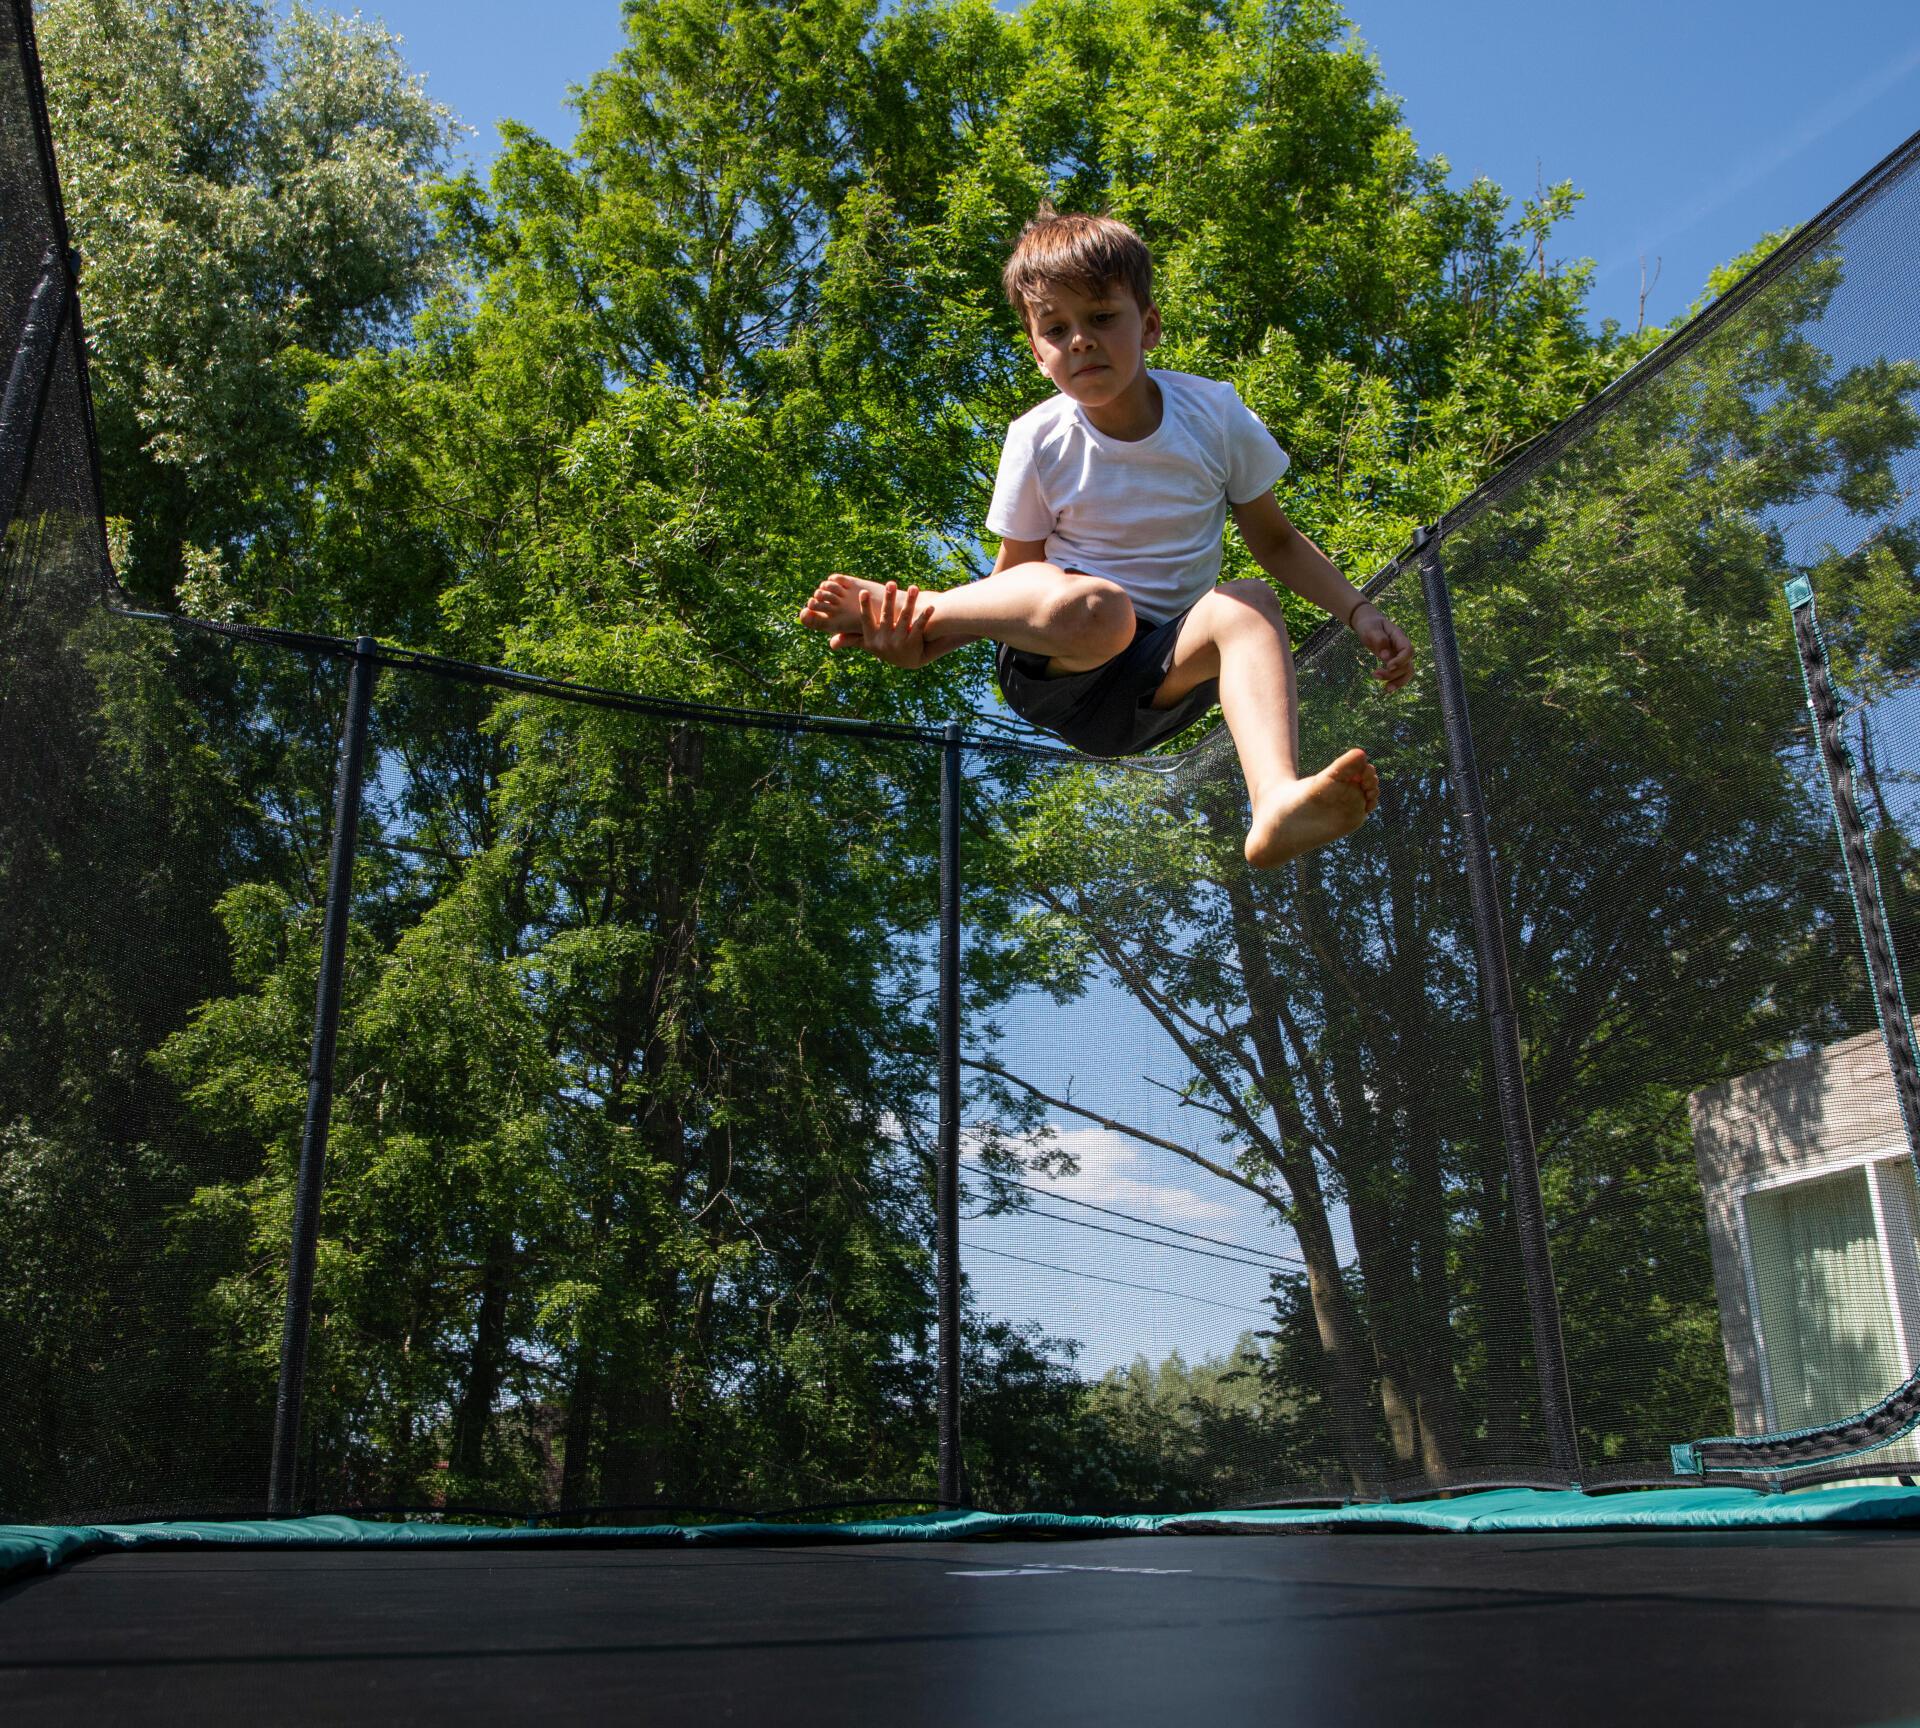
(1071, 1272)
(1151, 1241)
(1150, 1223)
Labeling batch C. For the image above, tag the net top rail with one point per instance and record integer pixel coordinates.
(601, 696)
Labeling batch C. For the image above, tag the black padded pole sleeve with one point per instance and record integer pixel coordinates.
(27, 378)
(1889, 999)
(947, 1181)
(1503, 1024)
(310, 1178)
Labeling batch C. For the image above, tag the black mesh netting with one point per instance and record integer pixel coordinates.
(628, 1190)
(1814, 1178)
(629, 1193)
(1292, 1070)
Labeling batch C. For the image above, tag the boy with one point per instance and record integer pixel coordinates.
(1113, 627)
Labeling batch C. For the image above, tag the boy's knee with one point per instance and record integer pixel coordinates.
(1091, 618)
(1254, 602)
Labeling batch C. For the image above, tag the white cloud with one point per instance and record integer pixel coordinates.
(1123, 1174)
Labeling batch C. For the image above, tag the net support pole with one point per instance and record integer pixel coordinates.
(1889, 1000)
(310, 1178)
(947, 1177)
(27, 378)
(1503, 1023)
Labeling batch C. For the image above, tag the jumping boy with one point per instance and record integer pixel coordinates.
(1113, 626)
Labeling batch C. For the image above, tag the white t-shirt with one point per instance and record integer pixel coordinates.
(1148, 515)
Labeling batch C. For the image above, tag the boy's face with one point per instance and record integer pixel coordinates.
(1092, 345)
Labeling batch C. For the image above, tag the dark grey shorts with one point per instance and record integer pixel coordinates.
(1104, 712)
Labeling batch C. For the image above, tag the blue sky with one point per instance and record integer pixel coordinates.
(1693, 126)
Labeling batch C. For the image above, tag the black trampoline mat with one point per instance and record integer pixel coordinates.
(1758, 1628)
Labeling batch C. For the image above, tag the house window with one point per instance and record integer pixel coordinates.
(1833, 1276)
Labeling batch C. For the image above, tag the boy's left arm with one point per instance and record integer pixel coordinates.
(1293, 560)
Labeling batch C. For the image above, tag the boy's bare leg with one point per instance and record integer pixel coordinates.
(1239, 635)
(1078, 621)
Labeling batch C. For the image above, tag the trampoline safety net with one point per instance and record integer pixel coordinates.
(629, 1197)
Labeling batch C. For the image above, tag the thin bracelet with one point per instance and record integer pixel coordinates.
(1355, 613)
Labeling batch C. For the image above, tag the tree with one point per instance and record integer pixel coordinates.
(247, 193)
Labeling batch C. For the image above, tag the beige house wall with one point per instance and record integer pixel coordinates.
(1834, 1106)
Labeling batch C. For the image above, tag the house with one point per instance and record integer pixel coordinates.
(1812, 1212)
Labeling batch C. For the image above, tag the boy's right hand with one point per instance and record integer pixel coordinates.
(1388, 644)
(857, 613)
(893, 626)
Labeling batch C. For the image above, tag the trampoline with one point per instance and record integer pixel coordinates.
(1768, 1626)
(1057, 1273)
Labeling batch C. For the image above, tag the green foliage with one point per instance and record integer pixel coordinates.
(610, 1129)
(145, 793)
(245, 190)
(1216, 1428)
(628, 1192)
(1144, 1438)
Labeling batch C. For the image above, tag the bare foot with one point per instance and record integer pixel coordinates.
(835, 606)
(1303, 814)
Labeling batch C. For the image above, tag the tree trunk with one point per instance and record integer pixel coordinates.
(1334, 1318)
(633, 1458)
(1503, 1317)
(576, 1470)
(488, 1364)
(1417, 1082)
(1379, 1256)
(636, 1460)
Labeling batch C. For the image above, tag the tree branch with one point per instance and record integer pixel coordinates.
(1112, 1124)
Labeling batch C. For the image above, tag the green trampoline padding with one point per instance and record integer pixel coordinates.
(26, 1549)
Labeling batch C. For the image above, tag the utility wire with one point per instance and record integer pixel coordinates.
(1097, 1278)
(1108, 1230)
(1150, 1223)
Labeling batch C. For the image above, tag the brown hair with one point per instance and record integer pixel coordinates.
(1086, 253)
